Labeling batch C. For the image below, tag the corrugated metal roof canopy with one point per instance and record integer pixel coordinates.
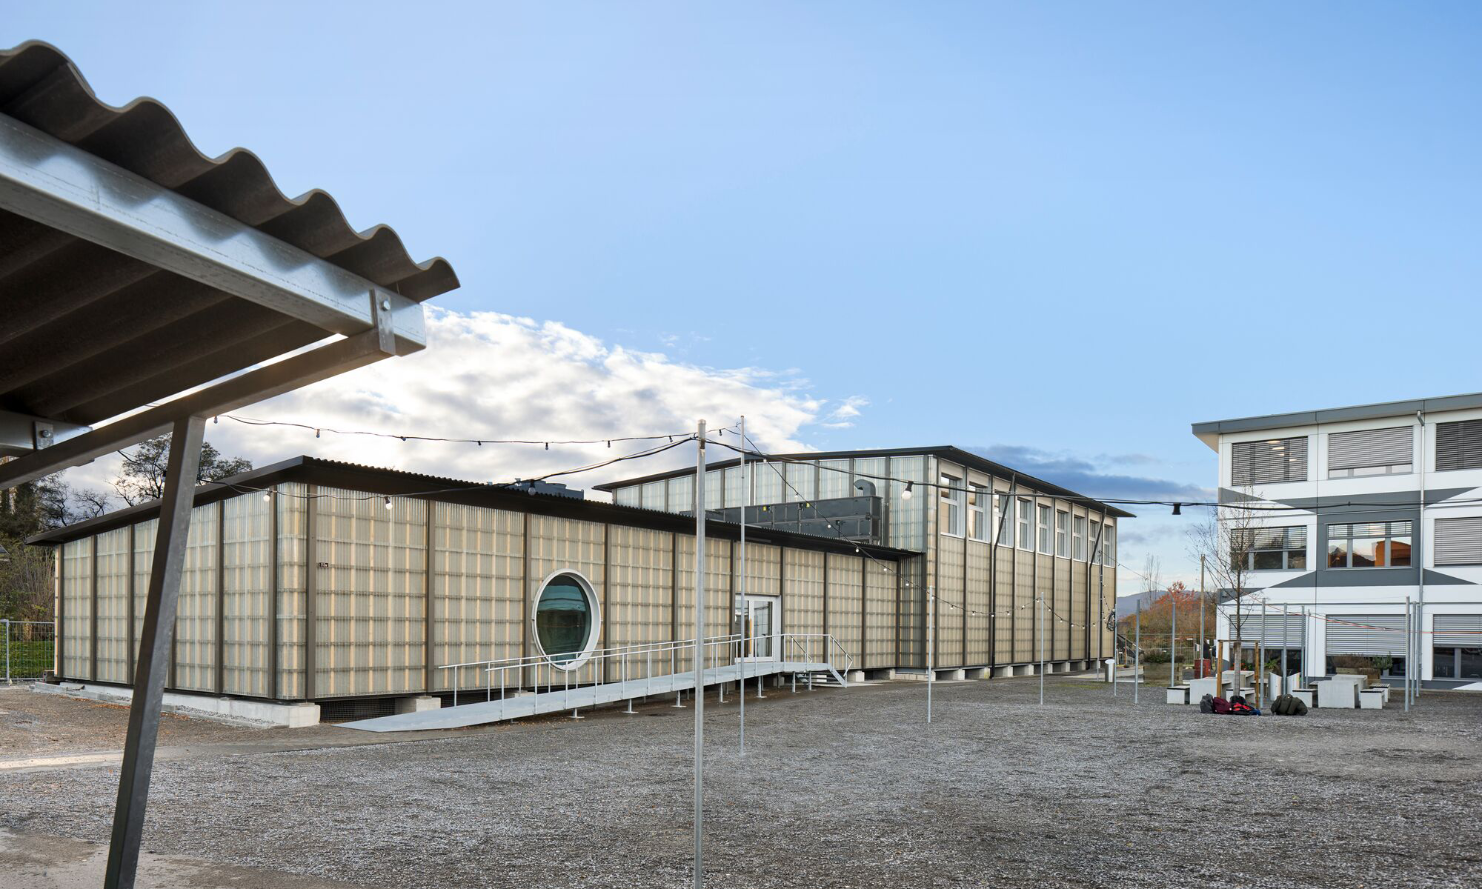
(134, 268)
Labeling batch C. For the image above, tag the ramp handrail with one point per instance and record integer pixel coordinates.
(594, 665)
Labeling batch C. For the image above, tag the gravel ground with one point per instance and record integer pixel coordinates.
(838, 788)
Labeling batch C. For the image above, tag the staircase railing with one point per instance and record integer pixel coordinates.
(620, 663)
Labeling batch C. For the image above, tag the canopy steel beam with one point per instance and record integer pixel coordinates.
(248, 388)
(45, 179)
(154, 651)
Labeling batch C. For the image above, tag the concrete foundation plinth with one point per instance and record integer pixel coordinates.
(976, 673)
(233, 710)
(1002, 672)
(951, 675)
(418, 704)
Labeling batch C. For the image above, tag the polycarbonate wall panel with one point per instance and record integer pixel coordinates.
(144, 534)
(1024, 604)
(293, 515)
(802, 602)
(195, 621)
(632, 495)
(77, 608)
(907, 517)
(654, 496)
(880, 605)
(911, 625)
(763, 566)
(834, 480)
(714, 489)
(682, 493)
(717, 597)
(801, 482)
(1060, 621)
(1077, 611)
(1003, 606)
(559, 546)
(767, 483)
(1041, 645)
(1108, 578)
(979, 621)
(248, 558)
(640, 600)
(113, 606)
(736, 482)
(370, 601)
(950, 602)
(478, 581)
(846, 606)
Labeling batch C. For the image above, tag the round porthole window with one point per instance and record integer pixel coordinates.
(566, 620)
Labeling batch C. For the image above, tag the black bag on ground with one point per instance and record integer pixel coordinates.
(1288, 705)
(1206, 704)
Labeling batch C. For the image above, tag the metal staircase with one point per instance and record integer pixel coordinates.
(532, 686)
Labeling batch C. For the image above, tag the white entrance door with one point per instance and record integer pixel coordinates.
(761, 628)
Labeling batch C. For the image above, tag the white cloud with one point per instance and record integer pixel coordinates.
(842, 417)
(497, 376)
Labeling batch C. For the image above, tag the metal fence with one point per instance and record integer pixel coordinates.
(29, 649)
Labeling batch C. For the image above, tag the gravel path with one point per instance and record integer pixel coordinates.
(838, 788)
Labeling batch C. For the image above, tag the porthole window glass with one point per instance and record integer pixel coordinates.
(565, 620)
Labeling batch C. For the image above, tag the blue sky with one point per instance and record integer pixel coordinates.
(1104, 221)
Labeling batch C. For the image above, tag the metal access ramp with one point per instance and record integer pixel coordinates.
(803, 654)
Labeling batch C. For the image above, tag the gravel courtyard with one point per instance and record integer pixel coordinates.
(838, 788)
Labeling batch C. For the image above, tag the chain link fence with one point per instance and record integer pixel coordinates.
(29, 649)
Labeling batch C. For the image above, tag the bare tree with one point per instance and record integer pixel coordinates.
(88, 503)
(142, 477)
(1226, 540)
(1152, 575)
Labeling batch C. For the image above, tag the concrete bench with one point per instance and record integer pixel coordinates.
(1340, 694)
(1178, 694)
(1371, 699)
(1307, 696)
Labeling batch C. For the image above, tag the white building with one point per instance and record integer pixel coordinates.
(1357, 511)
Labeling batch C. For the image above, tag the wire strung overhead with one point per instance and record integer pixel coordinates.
(478, 442)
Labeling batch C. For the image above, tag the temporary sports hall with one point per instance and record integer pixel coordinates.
(359, 589)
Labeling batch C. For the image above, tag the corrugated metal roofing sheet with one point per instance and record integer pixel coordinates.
(92, 333)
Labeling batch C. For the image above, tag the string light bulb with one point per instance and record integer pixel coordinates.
(267, 496)
(388, 502)
(906, 494)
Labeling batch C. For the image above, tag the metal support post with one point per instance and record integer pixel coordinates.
(700, 658)
(1203, 643)
(931, 676)
(154, 649)
(1137, 653)
(1173, 640)
(1041, 649)
(745, 617)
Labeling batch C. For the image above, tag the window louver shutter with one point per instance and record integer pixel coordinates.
(1268, 462)
(1274, 630)
(1458, 630)
(1459, 541)
(1371, 447)
(1459, 445)
(1367, 635)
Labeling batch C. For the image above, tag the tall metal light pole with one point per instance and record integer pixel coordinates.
(700, 657)
(1203, 602)
(745, 615)
(1172, 639)
(931, 620)
(1137, 653)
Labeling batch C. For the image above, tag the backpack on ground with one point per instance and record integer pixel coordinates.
(1288, 705)
(1220, 705)
(1206, 704)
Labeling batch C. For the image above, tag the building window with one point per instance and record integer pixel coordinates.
(1079, 553)
(682, 494)
(977, 512)
(1369, 545)
(1093, 543)
(1062, 533)
(1269, 549)
(1003, 520)
(1371, 452)
(1459, 541)
(629, 496)
(949, 507)
(802, 483)
(566, 620)
(1459, 445)
(1267, 462)
(1109, 543)
(1026, 533)
(1044, 530)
